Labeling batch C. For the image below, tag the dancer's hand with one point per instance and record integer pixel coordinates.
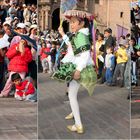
(61, 31)
(138, 53)
(76, 75)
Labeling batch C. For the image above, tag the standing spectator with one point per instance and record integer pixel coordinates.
(33, 14)
(137, 13)
(2, 55)
(26, 13)
(100, 63)
(109, 65)
(7, 30)
(127, 73)
(21, 29)
(133, 60)
(122, 59)
(20, 13)
(32, 65)
(52, 53)
(109, 41)
(44, 57)
(3, 14)
(12, 10)
(15, 22)
(33, 32)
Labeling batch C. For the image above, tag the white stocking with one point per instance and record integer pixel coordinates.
(73, 90)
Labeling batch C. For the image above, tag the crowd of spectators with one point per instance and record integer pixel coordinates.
(18, 53)
(135, 37)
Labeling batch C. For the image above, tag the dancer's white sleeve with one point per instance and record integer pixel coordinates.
(82, 60)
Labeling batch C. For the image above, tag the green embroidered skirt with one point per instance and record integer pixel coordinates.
(88, 76)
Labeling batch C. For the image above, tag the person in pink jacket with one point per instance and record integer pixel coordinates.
(19, 55)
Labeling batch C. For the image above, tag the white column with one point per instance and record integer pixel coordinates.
(42, 20)
(46, 18)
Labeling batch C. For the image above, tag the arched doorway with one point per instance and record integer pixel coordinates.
(56, 21)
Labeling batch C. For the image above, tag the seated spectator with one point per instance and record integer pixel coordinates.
(19, 55)
(24, 89)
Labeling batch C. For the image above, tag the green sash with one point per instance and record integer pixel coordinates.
(80, 43)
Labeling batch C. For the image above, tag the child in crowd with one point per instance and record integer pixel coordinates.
(109, 65)
(52, 53)
(122, 59)
(134, 58)
(24, 89)
(99, 58)
(45, 58)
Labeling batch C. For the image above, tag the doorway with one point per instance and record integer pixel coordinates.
(56, 21)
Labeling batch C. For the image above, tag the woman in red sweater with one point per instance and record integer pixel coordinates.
(19, 55)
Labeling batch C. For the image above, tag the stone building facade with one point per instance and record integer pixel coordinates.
(22, 1)
(114, 14)
(48, 11)
(109, 13)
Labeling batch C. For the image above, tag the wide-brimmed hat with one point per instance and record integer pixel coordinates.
(34, 26)
(21, 25)
(78, 13)
(24, 5)
(7, 23)
(16, 18)
(28, 24)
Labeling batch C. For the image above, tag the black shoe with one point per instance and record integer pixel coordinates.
(66, 99)
(67, 93)
(128, 97)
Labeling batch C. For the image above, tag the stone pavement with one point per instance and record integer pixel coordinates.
(18, 120)
(105, 115)
(135, 111)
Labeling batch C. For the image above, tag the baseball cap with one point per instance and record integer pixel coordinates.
(123, 42)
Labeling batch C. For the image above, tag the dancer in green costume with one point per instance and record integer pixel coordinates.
(77, 67)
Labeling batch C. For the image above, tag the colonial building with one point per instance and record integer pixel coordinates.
(109, 13)
(23, 1)
(49, 12)
(114, 14)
